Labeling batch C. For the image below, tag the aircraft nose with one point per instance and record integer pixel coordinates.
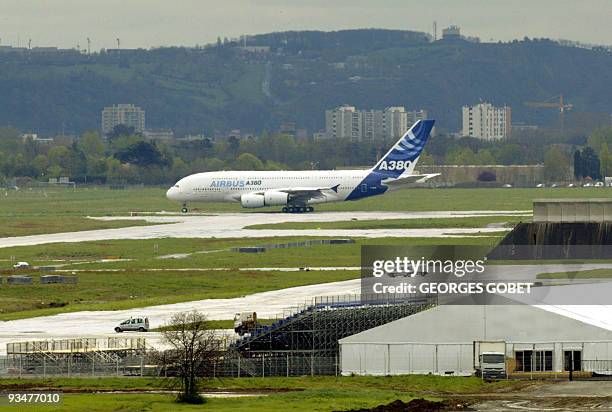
(173, 193)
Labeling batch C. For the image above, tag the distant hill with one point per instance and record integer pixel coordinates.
(223, 87)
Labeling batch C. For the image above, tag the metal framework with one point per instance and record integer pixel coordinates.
(71, 355)
(305, 340)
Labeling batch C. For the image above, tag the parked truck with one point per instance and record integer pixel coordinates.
(490, 359)
(245, 322)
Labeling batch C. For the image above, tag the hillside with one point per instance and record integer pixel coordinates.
(221, 87)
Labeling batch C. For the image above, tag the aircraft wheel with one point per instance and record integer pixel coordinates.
(310, 209)
(184, 209)
(285, 209)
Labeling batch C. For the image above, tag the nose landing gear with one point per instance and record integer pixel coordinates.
(184, 208)
(298, 209)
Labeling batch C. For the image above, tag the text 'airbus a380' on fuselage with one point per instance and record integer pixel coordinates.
(296, 191)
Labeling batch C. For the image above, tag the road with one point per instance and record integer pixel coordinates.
(233, 225)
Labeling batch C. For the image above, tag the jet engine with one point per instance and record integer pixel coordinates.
(252, 201)
(274, 198)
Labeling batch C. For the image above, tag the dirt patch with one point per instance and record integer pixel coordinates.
(419, 405)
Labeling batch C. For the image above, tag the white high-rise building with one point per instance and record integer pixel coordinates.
(125, 114)
(486, 122)
(390, 123)
(342, 122)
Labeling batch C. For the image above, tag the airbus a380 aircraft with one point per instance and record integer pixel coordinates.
(295, 191)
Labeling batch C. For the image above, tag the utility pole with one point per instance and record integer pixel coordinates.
(88, 45)
(118, 43)
(29, 44)
(435, 30)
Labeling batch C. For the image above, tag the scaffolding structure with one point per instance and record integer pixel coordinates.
(72, 356)
(304, 340)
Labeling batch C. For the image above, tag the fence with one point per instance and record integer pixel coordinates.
(76, 366)
(600, 367)
(279, 364)
(232, 365)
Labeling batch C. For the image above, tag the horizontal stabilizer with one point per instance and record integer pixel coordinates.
(398, 183)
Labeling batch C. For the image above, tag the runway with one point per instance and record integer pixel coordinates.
(233, 225)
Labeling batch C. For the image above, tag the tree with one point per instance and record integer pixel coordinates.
(91, 144)
(510, 154)
(461, 156)
(590, 163)
(605, 160)
(120, 130)
(60, 156)
(141, 154)
(556, 164)
(194, 350)
(54, 171)
(599, 137)
(578, 173)
(179, 169)
(247, 161)
(40, 164)
(484, 157)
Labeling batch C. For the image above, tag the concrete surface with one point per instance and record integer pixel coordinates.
(232, 225)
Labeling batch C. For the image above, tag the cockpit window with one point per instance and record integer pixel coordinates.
(177, 186)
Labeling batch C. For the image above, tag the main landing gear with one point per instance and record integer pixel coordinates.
(298, 209)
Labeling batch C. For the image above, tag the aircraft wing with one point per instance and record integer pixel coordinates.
(398, 183)
(306, 193)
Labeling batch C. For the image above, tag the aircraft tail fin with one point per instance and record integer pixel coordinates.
(402, 158)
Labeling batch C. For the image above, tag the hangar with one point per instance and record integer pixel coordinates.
(441, 341)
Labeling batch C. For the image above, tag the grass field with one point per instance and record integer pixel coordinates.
(133, 289)
(212, 253)
(64, 204)
(40, 211)
(415, 383)
(581, 274)
(133, 283)
(458, 222)
(321, 393)
(307, 400)
(39, 225)
(146, 280)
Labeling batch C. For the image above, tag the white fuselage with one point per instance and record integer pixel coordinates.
(296, 190)
(230, 186)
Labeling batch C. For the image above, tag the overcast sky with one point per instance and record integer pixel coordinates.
(150, 23)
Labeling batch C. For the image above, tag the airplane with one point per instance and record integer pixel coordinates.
(296, 191)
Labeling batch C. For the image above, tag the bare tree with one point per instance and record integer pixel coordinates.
(194, 350)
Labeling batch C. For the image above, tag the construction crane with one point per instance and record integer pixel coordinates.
(555, 102)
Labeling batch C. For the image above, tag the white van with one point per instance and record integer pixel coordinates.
(134, 325)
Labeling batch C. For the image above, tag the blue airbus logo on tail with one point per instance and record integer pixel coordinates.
(402, 156)
(398, 161)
